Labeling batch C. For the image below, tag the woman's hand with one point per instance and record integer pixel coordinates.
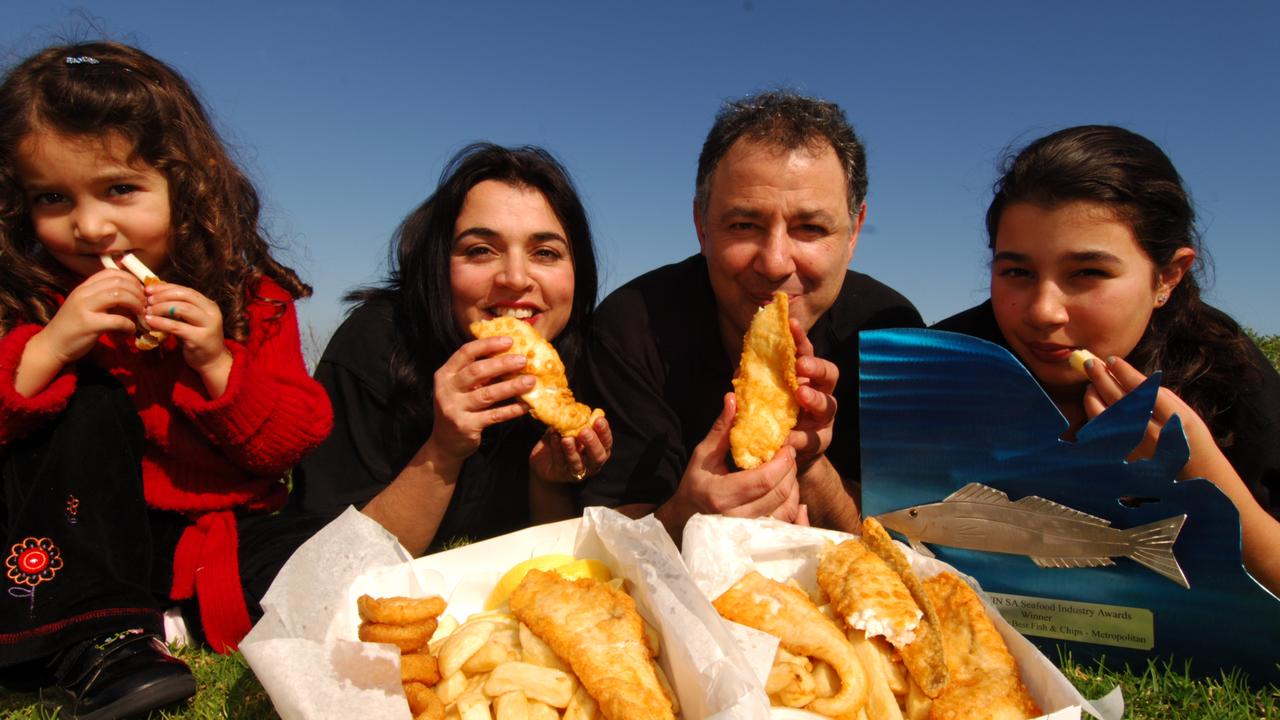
(470, 395)
(197, 323)
(107, 301)
(569, 460)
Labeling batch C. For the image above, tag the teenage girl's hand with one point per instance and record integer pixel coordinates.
(196, 321)
(469, 395)
(569, 460)
(1260, 531)
(1115, 378)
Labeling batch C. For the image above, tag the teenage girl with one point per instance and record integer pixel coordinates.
(136, 480)
(1094, 246)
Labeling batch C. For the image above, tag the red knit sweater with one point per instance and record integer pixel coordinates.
(204, 458)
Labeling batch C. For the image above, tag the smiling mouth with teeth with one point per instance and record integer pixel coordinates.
(517, 313)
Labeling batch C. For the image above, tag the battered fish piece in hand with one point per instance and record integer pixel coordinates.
(550, 400)
(788, 614)
(984, 679)
(597, 630)
(765, 386)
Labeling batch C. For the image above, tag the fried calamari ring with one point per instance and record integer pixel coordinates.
(399, 610)
(765, 386)
(423, 702)
(419, 667)
(550, 401)
(408, 638)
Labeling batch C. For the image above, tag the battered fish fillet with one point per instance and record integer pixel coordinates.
(550, 400)
(597, 630)
(984, 679)
(765, 387)
(788, 614)
(867, 593)
(923, 656)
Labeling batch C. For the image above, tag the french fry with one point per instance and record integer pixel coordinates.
(511, 706)
(451, 687)
(534, 650)
(490, 655)
(581, 706)
(498, 618)
(895, 672)
(666, 688)
(800, 691)
(462, 644)
(550, 686)
(825, 681)
(882, 704)
(542, 711)
(781, 675)
(473, 703)
(446, 626)
(918, 703)
(652, 639)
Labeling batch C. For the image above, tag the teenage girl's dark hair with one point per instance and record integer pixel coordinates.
(1202, 352)
(90, 90)
(418, 285)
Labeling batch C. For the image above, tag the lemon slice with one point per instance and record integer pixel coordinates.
(509, 581)
(593, 569)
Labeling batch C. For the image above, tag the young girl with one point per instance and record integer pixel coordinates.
(136, 478)
(427, 440)
(1094, 246)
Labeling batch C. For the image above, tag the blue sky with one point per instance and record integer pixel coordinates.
(344, 113)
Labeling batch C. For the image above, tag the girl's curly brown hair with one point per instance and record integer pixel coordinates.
(92, 89)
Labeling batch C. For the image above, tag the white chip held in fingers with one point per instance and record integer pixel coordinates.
(1077, 358)
(139, 270)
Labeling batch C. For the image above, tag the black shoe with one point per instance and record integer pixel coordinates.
(115, 676)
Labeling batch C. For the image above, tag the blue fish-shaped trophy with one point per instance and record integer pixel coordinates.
(977, 517)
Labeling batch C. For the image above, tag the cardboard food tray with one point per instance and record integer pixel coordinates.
(308, 658)
(719, 550)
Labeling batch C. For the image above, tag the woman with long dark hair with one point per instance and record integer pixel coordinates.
(1094, 247)
(428, 438)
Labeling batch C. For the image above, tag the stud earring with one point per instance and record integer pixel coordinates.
(1161, 300)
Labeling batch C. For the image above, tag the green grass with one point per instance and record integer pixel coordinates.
(1165, 691)
(228, 689)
